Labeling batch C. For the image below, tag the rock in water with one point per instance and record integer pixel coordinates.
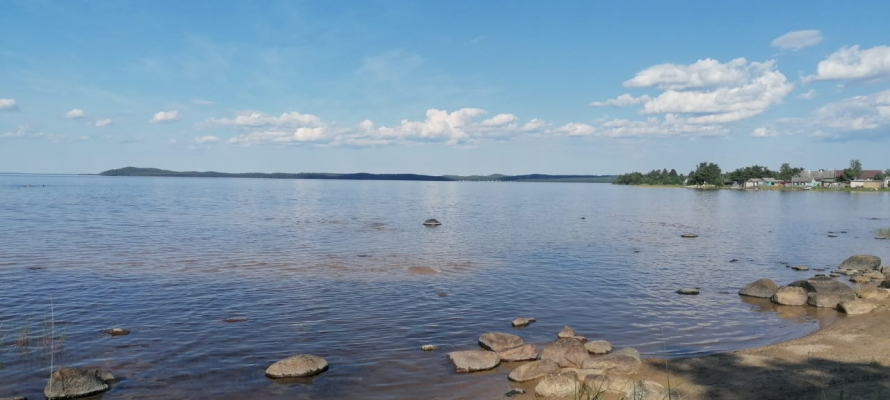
(800, 268)
(523, 352)
(689, 235)
(688, 291)
(557, 385)
(67, 383)
(514, 392)
(474, 360)
(298, 366)
(861, 263)
(117, 332)
(496, 341)
(533, 370)
(520, 322)
(763, 288)
(855, 307)
(569, 333)
(790, 296)
(823, 300)
(598, 347)
(429, 347)
(432, 222)
(565, 352)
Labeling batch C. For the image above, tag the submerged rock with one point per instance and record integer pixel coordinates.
(565, 352)
(67, 383)
(763, 288)
(557, 385)
(496, 341)
(533, 370)
(474, 360)
(117, 332)
(861, 262)
(598, 347)
(800, 268)
(514, 392)
(790, 296)
(688, 291)
(854, 307)
(432, 222)
(520, 322)
(298, 366)
(523, 352)
(689, 235)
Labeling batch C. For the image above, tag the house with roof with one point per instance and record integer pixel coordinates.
(760, 182)
(804, 182)
(866, 174)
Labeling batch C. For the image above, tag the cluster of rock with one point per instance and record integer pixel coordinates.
(824, 291)
(67, 383)
(567, 367)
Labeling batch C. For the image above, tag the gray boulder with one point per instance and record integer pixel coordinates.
(825, 285)
(823, 300)
(861, 263)
(598, 347)
(763, 288)
(432, 222)
(629, 351)
(566, 352)
(523, 352)
(688, 291)
(800, 268)
(68, 383)
(607, 384)
(790, 296)
(557, 385)
(533, 370)
(855, 307)
(569, 333)
(298, 366)
(885, 284)
(496, 341)
(474, 360)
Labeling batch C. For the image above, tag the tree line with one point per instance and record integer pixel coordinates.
(707, 173)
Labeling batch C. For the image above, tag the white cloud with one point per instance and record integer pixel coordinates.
(796, 40)
(670, 125)
(763, 132)
(103, 123)
(851, 63)
(257, 119)
(859, 114)
(206, 139)
(75, 114)
(533, 125)
(21, 131)
(808, 95)
(165, 117)
(202, 102)
(624, 100)
(25, 131)
(576, 129)
(8, 104)
(712, 92)
(499, 120)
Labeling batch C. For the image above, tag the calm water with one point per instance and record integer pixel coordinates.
(335, 268)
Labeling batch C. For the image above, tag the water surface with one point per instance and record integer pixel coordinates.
(346, 271)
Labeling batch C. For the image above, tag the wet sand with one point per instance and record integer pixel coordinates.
(847, 358)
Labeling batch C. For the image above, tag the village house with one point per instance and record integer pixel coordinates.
(866, 184)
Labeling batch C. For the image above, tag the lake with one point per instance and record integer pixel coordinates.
(346, 271)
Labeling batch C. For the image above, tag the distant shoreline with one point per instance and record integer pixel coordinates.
(155, 172)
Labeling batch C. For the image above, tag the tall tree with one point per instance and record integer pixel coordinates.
(854, 172)
(706, 174)
(786, 172)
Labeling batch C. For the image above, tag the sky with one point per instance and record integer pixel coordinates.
(442, 87)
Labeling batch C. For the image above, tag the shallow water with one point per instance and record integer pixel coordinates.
(346, 271)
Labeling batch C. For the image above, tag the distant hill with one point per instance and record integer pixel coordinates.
(133, 171)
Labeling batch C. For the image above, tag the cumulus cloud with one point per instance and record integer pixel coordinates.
(670, 125)
(206, 139)
(165, 117)
(75, 114)
(808, 95)
(796, 40)
(763, 132)
(859, 115)
(103, 123)
(452, 127)
(8, 104)
(705, 73)
(576, 129)
(624, 100)
(853, 63)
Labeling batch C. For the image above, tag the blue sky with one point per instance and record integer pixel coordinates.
(457, 87)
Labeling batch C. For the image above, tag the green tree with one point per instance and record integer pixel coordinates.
(756, 171)
(706, 174)
(852, 173)
(786, 172)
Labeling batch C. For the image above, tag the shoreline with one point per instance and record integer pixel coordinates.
(846, 357)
